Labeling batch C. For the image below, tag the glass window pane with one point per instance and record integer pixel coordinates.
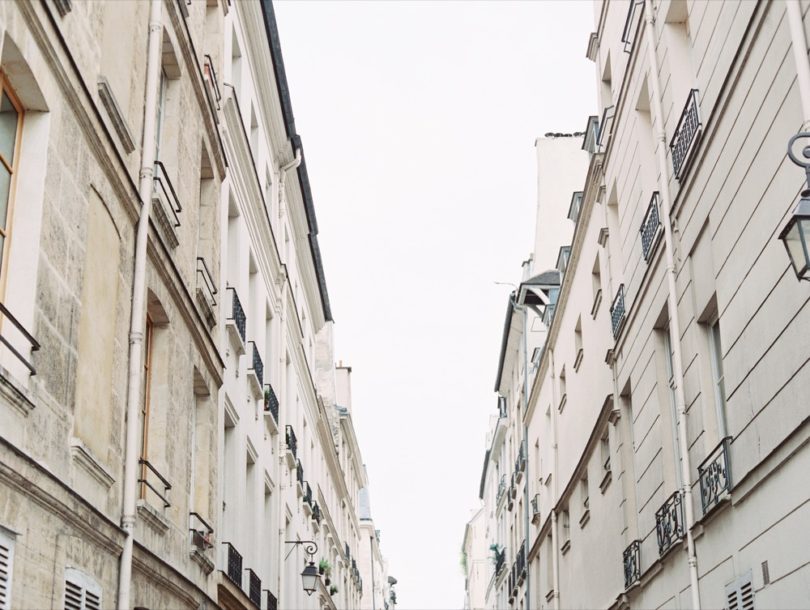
(2, 244)
(8, 128)
(5, 182)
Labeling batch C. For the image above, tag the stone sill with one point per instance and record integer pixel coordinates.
(153, 518)
(82, 456)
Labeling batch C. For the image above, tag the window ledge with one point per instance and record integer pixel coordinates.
(81, 455)
(152, 517)
(201, 558)
(15, 393)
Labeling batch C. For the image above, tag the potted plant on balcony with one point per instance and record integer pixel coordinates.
(266, 399)
(333, 590)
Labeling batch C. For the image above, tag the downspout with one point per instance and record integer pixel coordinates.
(145, 185)
(799, 44)
(555, 558)
(672, 307)
(373, 590)
(525, 449)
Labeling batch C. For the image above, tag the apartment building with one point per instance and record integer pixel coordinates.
(173, 430)
(666, 416)
(372, 563)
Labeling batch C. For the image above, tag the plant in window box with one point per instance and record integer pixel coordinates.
(333, 590)
(324, 567)
(266, 399)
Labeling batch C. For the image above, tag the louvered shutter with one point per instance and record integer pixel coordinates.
(6, 570)
(740, 594)
(81, 591)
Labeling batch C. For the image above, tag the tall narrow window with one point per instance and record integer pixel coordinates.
(718, 376)
(147, 388)
(11, 116)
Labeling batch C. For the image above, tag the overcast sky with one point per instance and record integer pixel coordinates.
(418, 120)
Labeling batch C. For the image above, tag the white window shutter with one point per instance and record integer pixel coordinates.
(81, 591)
(6, 569)
(740, 593)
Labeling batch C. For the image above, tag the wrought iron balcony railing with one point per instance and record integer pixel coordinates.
(536, 508)
(299, 473)
(520, 561)
(212, 89)
(206, 291)
(168, 208)
(686, 135)
(500, 561)
(233, 564)
(650, 227)
(146, 483)
(254, 588)
(632, 563)
(316, 513)
(256, 364)
(6, 315)
(307, 493)
(669, 522)
(237, 314)
(271, 401)
(715, 476)
(617, 312)
(501, 489)
(201, 532)
(271, 603)
(292, 443)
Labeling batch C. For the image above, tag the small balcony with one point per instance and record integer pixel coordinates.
(236, 322)
(206, 294)
(166, 205)
(715, 476)
(255, 372)
(651, 229)
(536, 509)
(211, 86)
(29, 338)
(299, 478)
(669, 522)
(520, 465)
(687, 133)
(201, 533)
(271, 603)
(307, 498)
(316, 513)
(271, 407)
(617, 312)
(152, 481)
(233, 564)
(292, 446)
(501, 490)
(520, 563)
(632, 563)
(500, 561)
(254, 588)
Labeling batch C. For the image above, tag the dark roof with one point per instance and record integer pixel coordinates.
(505, 340)
(483, 475)
(271, 29)
(547, 278)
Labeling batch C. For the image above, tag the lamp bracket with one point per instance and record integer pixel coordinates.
(310, 547)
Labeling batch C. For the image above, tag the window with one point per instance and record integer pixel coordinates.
(586, 501)
(81, 591)
(596, 284)
(6, 568)
(718, 377)
(578, 344)
(11, 117)
(563, 394)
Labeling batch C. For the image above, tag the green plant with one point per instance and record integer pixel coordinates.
(332, 590)
(324, 567)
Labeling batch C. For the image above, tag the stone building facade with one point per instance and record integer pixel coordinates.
(666, 425)
(238, 437)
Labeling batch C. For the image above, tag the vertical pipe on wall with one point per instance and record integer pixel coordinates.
(799, 44)
(138, 312)
(672, 304)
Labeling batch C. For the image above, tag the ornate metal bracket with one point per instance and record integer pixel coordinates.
(310, 547)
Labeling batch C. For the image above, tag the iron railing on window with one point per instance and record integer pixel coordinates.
(271, 601)
(256, 364)
(715, 476)
(501, 489)
(254, 588)
(271, 401)
(686, 134)
(237, 313)
(617, 312)
(170, 207)
(292, 443)
(631, 25)
(201, 532)
(299, 473)
(206, 291)
(316, 512)
(520, 561)
(632, 563)
(307, 493)
(669, 522)
(233, 564)
(500, 561)
(6, 314)
(535, 508)
(650, 227)
(146, 468)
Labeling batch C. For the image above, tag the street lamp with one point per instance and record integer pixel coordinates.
(796, 233)
(310, 576)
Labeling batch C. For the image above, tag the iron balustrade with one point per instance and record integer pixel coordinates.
(271, 401)
(501, 489)
(6, 314)
(271, 603)
(500, 561)
(686, 134)
(669, 522)
(632, 563)
(520, 562)
(238, 313)
(307, 493)
(168, 196)
(715, 476)
(292, 444)
(201, 534)
(631, 25)
(299, 473)
(650, 227)
(348, 552)
(535, 507)
(256, 364)
(206, 291)
(502, 412)
(316, 512)
(233, 564)
(254, 588)
(617, 312)
(210, 76)
(147, 467)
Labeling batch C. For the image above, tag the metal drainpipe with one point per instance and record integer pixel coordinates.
(526, 454)
(672, 307)
(555, 558)
(799, 44)
(137, 313)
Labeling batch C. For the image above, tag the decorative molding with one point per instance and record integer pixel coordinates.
(201, 559)
(15, 394)
(82, 456)
(110, 104)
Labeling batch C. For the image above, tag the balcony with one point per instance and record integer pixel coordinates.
(236, 322)
(617, 312)
(500, 561)
(233, 564)
(160, 488)
(166, 205)
(307, 498)
(651, 229)
(520, 563)
(632, 563)
(206, 293)
(271, 406)
(34, 345)
(669, 523)
(255, 372)
(211, 86)
(299, 478)
(316, 513)
(715, 476)
(254, 588)
(292, 446)
(271, 603)
(686, 136)
(201, 533)
(536, 509)
(520, 465)
(501, 490)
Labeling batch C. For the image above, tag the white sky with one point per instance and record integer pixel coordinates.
(418, 121)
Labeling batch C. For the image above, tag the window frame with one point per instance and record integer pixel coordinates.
(12, 168)
(718, 374)
(86, 584)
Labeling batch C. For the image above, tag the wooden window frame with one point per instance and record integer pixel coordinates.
(12, 168)
(147, 391)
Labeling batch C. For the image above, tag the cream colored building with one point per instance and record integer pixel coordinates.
(667, 417)
(172, 423)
